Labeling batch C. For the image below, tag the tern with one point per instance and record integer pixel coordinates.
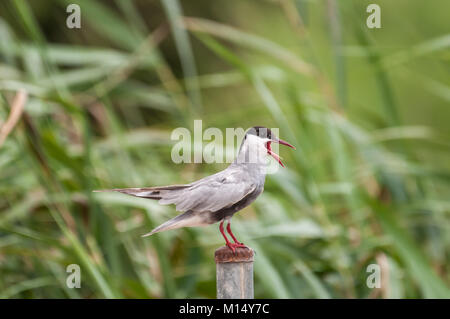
(216, 198)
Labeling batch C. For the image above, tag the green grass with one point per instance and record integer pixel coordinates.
(366, 109)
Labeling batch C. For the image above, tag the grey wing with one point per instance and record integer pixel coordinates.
(211, 193)
(147, 192)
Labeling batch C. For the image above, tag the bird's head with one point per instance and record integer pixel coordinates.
(258, 140)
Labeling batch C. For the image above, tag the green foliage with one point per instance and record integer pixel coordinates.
(366, 109)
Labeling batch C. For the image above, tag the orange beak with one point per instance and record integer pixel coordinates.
(275, 155)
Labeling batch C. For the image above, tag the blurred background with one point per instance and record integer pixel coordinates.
(368, 110)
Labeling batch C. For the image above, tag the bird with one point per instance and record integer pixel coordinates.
(216, 198)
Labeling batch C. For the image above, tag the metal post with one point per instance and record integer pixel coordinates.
(234, 273)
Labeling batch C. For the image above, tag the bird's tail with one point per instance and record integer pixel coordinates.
(187, 219)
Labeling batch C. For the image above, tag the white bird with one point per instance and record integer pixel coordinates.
(216, 198)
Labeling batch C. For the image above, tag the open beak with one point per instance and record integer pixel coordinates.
(275, 155)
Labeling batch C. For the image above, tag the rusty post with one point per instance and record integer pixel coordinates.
(234, 273)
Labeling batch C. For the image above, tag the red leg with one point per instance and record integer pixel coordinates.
(231, 233)
(236, 242)
(230, 245)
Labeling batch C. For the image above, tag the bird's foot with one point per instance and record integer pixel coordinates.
(236, 245)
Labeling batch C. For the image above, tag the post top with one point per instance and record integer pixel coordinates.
(226, 255)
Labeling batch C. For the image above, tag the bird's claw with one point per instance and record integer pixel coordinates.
(236, 245)
(233, 249)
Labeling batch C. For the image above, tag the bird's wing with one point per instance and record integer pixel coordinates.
(211, 194)
(208, 194)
